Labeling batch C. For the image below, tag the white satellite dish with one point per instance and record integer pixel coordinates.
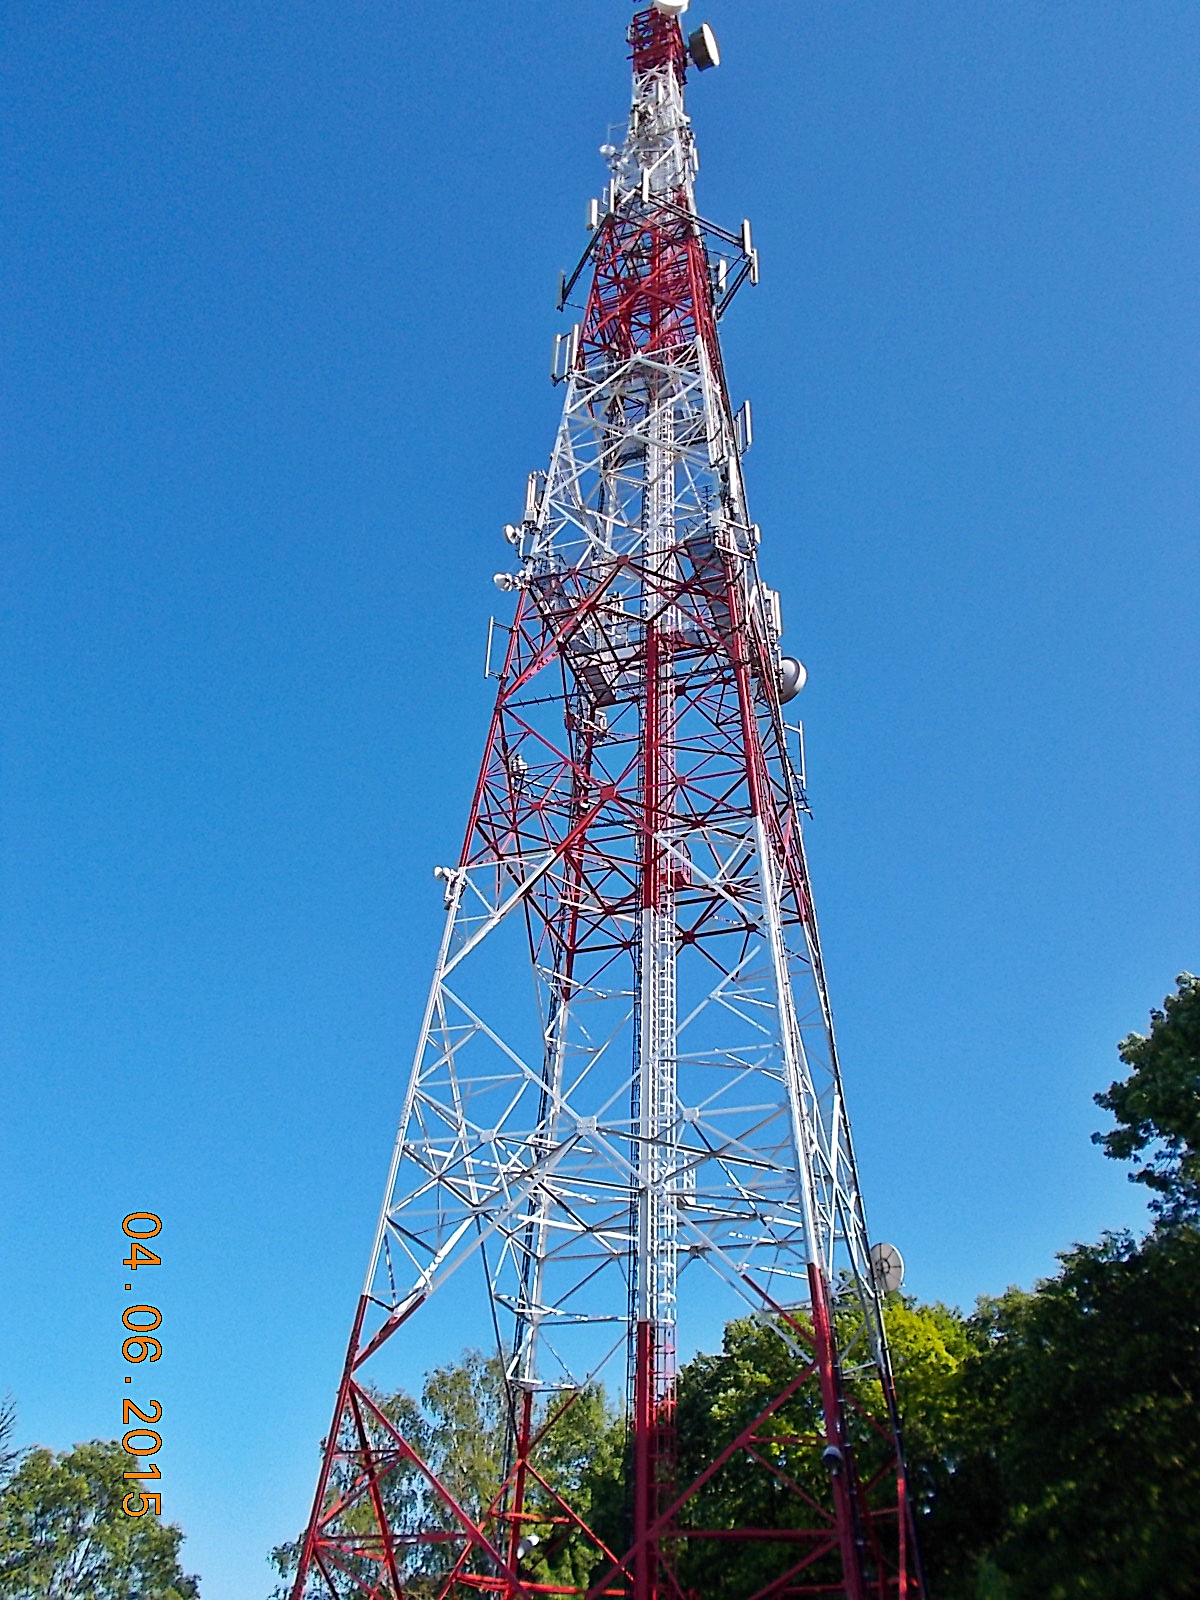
(793, 675)
(671, 8)
(887, 1267)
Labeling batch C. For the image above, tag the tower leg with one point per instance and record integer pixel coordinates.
(520, 1477)
(841, 1463)
(645, 1504)
(329, 1456)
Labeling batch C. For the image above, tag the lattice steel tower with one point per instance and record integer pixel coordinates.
(625, 1114)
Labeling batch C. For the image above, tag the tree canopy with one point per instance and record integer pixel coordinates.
(1070, 1466)
(1157, 1107)
(64, 1536)
(8, 1420)
(458, 1427)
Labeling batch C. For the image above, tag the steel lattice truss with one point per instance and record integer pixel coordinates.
(625, 1107)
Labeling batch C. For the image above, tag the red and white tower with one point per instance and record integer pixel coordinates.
(624, 1118)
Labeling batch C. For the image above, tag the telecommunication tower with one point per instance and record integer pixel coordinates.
(624, 1122)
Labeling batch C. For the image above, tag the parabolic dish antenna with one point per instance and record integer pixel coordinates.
(887, 1267)
(794, 675)
(671, 8)
(703, 48)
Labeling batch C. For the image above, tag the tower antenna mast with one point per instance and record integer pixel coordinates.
(624, 1123)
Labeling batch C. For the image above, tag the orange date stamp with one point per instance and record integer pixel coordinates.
(141, 1440)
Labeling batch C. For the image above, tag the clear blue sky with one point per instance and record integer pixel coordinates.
(276, 310)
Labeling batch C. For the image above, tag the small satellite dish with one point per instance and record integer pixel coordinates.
(887, 1268)
(702, 47)
(671, 8)
(793, 676)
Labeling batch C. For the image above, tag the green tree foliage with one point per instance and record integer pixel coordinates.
(720, 1395)
(1157, 1108)
(8, 1421)
(930, 1345)
(459, 1428)
(1072, 1464)
(64, 1536)
(582, 1458)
